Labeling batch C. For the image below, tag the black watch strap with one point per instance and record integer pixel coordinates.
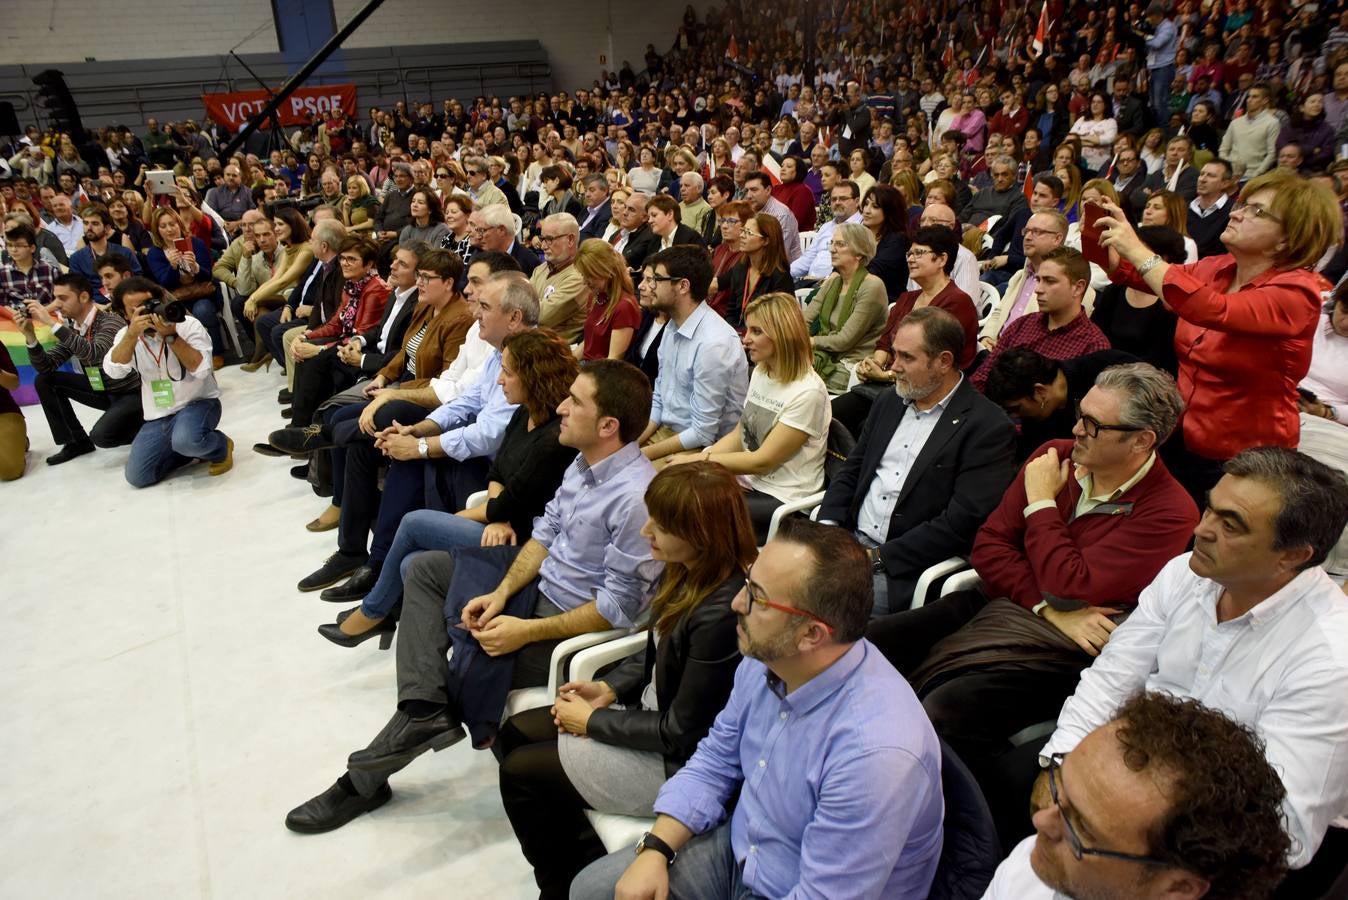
(651, 842)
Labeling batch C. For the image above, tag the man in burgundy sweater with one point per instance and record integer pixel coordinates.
(1085, 526)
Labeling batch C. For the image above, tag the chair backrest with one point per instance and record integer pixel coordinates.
(988, 302)
(970, 851)
(840, 444)
(806, 239)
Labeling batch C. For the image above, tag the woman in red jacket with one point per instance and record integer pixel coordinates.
(793, 192)
(364, 296)
(1246, 320)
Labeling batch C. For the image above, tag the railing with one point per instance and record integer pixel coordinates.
(377, 78)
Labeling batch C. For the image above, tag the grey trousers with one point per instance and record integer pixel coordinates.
(423, 648)
(706, 870)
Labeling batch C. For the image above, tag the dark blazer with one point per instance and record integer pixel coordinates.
(527, 258)
(1186, 186)
(328, 296)
(778, 281)
(1131, 117)
(684, 234)
(956, 482)
(650, 363)
(641, 244)
(1133, 195)
(373, 361)
(598, 224)
(694, 667)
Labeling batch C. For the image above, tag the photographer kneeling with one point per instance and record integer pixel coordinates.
(171, 351)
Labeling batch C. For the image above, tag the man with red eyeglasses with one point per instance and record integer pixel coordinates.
(838, 772)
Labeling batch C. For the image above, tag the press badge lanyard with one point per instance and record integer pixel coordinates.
(93, 373)
(161, 388)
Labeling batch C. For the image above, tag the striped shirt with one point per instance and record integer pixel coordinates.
(413, 344)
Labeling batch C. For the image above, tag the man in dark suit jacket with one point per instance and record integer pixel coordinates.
(598, 209)
(1129, 112)
(1130, 178)
(914, 509)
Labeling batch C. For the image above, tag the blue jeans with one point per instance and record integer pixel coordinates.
(425, 529)
(706, 870)
(207, 312)
(163, 445)
(1159, 93)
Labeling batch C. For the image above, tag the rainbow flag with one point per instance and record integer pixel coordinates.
(17, 346)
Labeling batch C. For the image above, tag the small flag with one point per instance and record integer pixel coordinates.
(1029, 183)
(1041, 32)
(948, 57)
(732, 50)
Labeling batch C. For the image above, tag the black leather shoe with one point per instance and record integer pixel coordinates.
(404, 739)
(334, 569)
(285, 396)
(266, 449)
(300, 440)
(384, 631)
(333, 808)
(69, 452)
(357, 586)
(300, 472)
(286, 413)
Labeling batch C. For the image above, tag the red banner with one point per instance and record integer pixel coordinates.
(234, 109)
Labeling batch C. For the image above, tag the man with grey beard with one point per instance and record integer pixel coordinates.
(933, 460)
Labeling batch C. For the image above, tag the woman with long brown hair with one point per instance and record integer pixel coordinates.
(763, 269)
(646, 717)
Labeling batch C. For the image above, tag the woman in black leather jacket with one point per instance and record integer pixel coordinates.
(610, 744)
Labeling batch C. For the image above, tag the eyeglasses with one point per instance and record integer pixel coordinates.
(427, 277)
(441, 174)
(1259, 212)
(663, 278)
(1039, 232)
(1093, 426)
(756, 596)
(915, 254)
(1073, 841)
(547, 239)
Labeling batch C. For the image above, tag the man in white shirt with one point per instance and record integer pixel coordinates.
(816, 263)
(965, 273)
(1250, 624)
(1167, 799)
(179, 396)
(67, 226)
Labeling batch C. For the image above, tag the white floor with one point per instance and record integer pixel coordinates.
(167, 699)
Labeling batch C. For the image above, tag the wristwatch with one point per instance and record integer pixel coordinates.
(649, 841)
(423, 448)
(877, 564)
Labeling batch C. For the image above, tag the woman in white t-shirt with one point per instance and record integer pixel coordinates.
(778, 448)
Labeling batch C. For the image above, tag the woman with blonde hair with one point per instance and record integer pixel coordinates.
(612, 314)
(359, 205)
(1247, 319)
(779, 445)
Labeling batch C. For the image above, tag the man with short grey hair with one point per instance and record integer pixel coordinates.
(1002, 199)
(693, 210)
(560, 287)
(395, 213)
(598, 210)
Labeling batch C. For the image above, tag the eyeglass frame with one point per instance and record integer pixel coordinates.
(1255, 209)
(1093, 426)
(1080, 850)
(547, 239)
(1038, 232)
(760, 600)
(428, 277)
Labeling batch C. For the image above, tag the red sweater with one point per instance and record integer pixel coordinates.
(1241, 355)
(1104, 558)
(369, 308)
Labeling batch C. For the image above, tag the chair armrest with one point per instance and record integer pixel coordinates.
(933, 573)
(589, 661)
(562, 653)
(476, 499)
(795, 506)
(962, 581)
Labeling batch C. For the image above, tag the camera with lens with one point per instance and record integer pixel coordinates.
(170, 309)
(305, 206)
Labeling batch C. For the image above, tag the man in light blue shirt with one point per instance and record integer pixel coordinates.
(699, 393)
(837, 769)
(462, 435)
(1161, 45)
(503, 609)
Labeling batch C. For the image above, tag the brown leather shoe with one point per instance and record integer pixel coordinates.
(327, 521)
(224, 465)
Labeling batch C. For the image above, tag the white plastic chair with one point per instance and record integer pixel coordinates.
(989, 224)
(806, 239)
(932, 574)
(476, 499)
(988, 301)
(531, 698)
(519, 225)
(227, 314)
(614, 830)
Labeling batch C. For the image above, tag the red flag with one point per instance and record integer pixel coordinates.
(1029, 184)
(732, 50)
(1041, 32)
(948, 57)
